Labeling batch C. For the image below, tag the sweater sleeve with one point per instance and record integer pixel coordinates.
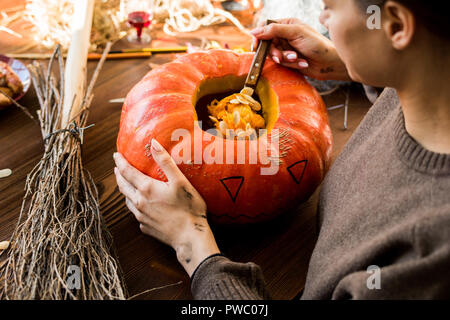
(218, 278)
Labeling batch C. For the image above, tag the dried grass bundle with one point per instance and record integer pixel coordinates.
(51, 21)
(7, 17)
(60, 225)
(190, 15)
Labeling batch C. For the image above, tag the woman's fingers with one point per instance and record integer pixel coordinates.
(145, 217)
(276, 54)
(276, 30)
(166, 163)
(137, 214)
(290, 56)
(300, 64)
(255, 41)
(132, 175)
(279, 54)
(124, 186)
(147, 223)
(150, 231)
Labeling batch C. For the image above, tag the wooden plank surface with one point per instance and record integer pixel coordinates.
(282, 247)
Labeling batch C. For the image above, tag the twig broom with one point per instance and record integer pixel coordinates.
(61, 248)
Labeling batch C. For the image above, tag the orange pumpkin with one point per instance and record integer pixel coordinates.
(235, 192)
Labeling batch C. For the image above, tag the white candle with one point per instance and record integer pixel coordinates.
(75, 76)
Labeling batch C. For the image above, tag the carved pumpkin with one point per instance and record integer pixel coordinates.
(165, 100)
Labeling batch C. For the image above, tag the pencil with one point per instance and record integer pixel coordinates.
(116, 54)
(97, 56)
(153, 50)
(91, 56)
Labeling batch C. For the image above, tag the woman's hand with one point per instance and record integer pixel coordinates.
(172, 212)
(297, 45)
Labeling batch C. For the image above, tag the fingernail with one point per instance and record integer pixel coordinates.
(303, 64)
(291, 56)
(115, 155)
(156, 146)
(276, 59)
(257, 31)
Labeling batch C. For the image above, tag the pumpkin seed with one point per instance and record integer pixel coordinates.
(241, 100)
(223, 126)
(236, 118)
(249, 98)
(247, 91)
(214, 119)
(253, 103)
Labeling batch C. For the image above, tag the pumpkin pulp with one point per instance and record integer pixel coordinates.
(231, 116)
(235, 116)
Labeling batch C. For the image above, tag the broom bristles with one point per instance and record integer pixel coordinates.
(60, 227)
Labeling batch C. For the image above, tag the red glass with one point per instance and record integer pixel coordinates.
(139, 20)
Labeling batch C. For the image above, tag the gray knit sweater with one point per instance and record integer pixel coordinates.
(384, 213)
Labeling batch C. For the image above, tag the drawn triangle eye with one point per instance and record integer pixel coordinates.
(297, 170)
(233, 186)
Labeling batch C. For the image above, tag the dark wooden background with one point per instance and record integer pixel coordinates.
(282, 247)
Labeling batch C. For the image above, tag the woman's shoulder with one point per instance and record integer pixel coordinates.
(386, 104)
(379, 119)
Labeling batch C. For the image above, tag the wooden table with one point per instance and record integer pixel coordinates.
(282, 247)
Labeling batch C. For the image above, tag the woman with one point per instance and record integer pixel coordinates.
(393, 214)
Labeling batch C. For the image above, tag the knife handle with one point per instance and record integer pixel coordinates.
(258, 61)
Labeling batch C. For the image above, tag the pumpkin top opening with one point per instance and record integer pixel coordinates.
(218, 88)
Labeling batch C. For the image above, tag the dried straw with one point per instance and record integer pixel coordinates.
(60, 224)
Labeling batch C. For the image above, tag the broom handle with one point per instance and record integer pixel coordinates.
(75, 76)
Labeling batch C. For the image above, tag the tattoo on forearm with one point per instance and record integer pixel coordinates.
(184, 252)
(187, 194)
(199, 227)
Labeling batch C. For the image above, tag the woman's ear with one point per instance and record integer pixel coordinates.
(399, 24)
